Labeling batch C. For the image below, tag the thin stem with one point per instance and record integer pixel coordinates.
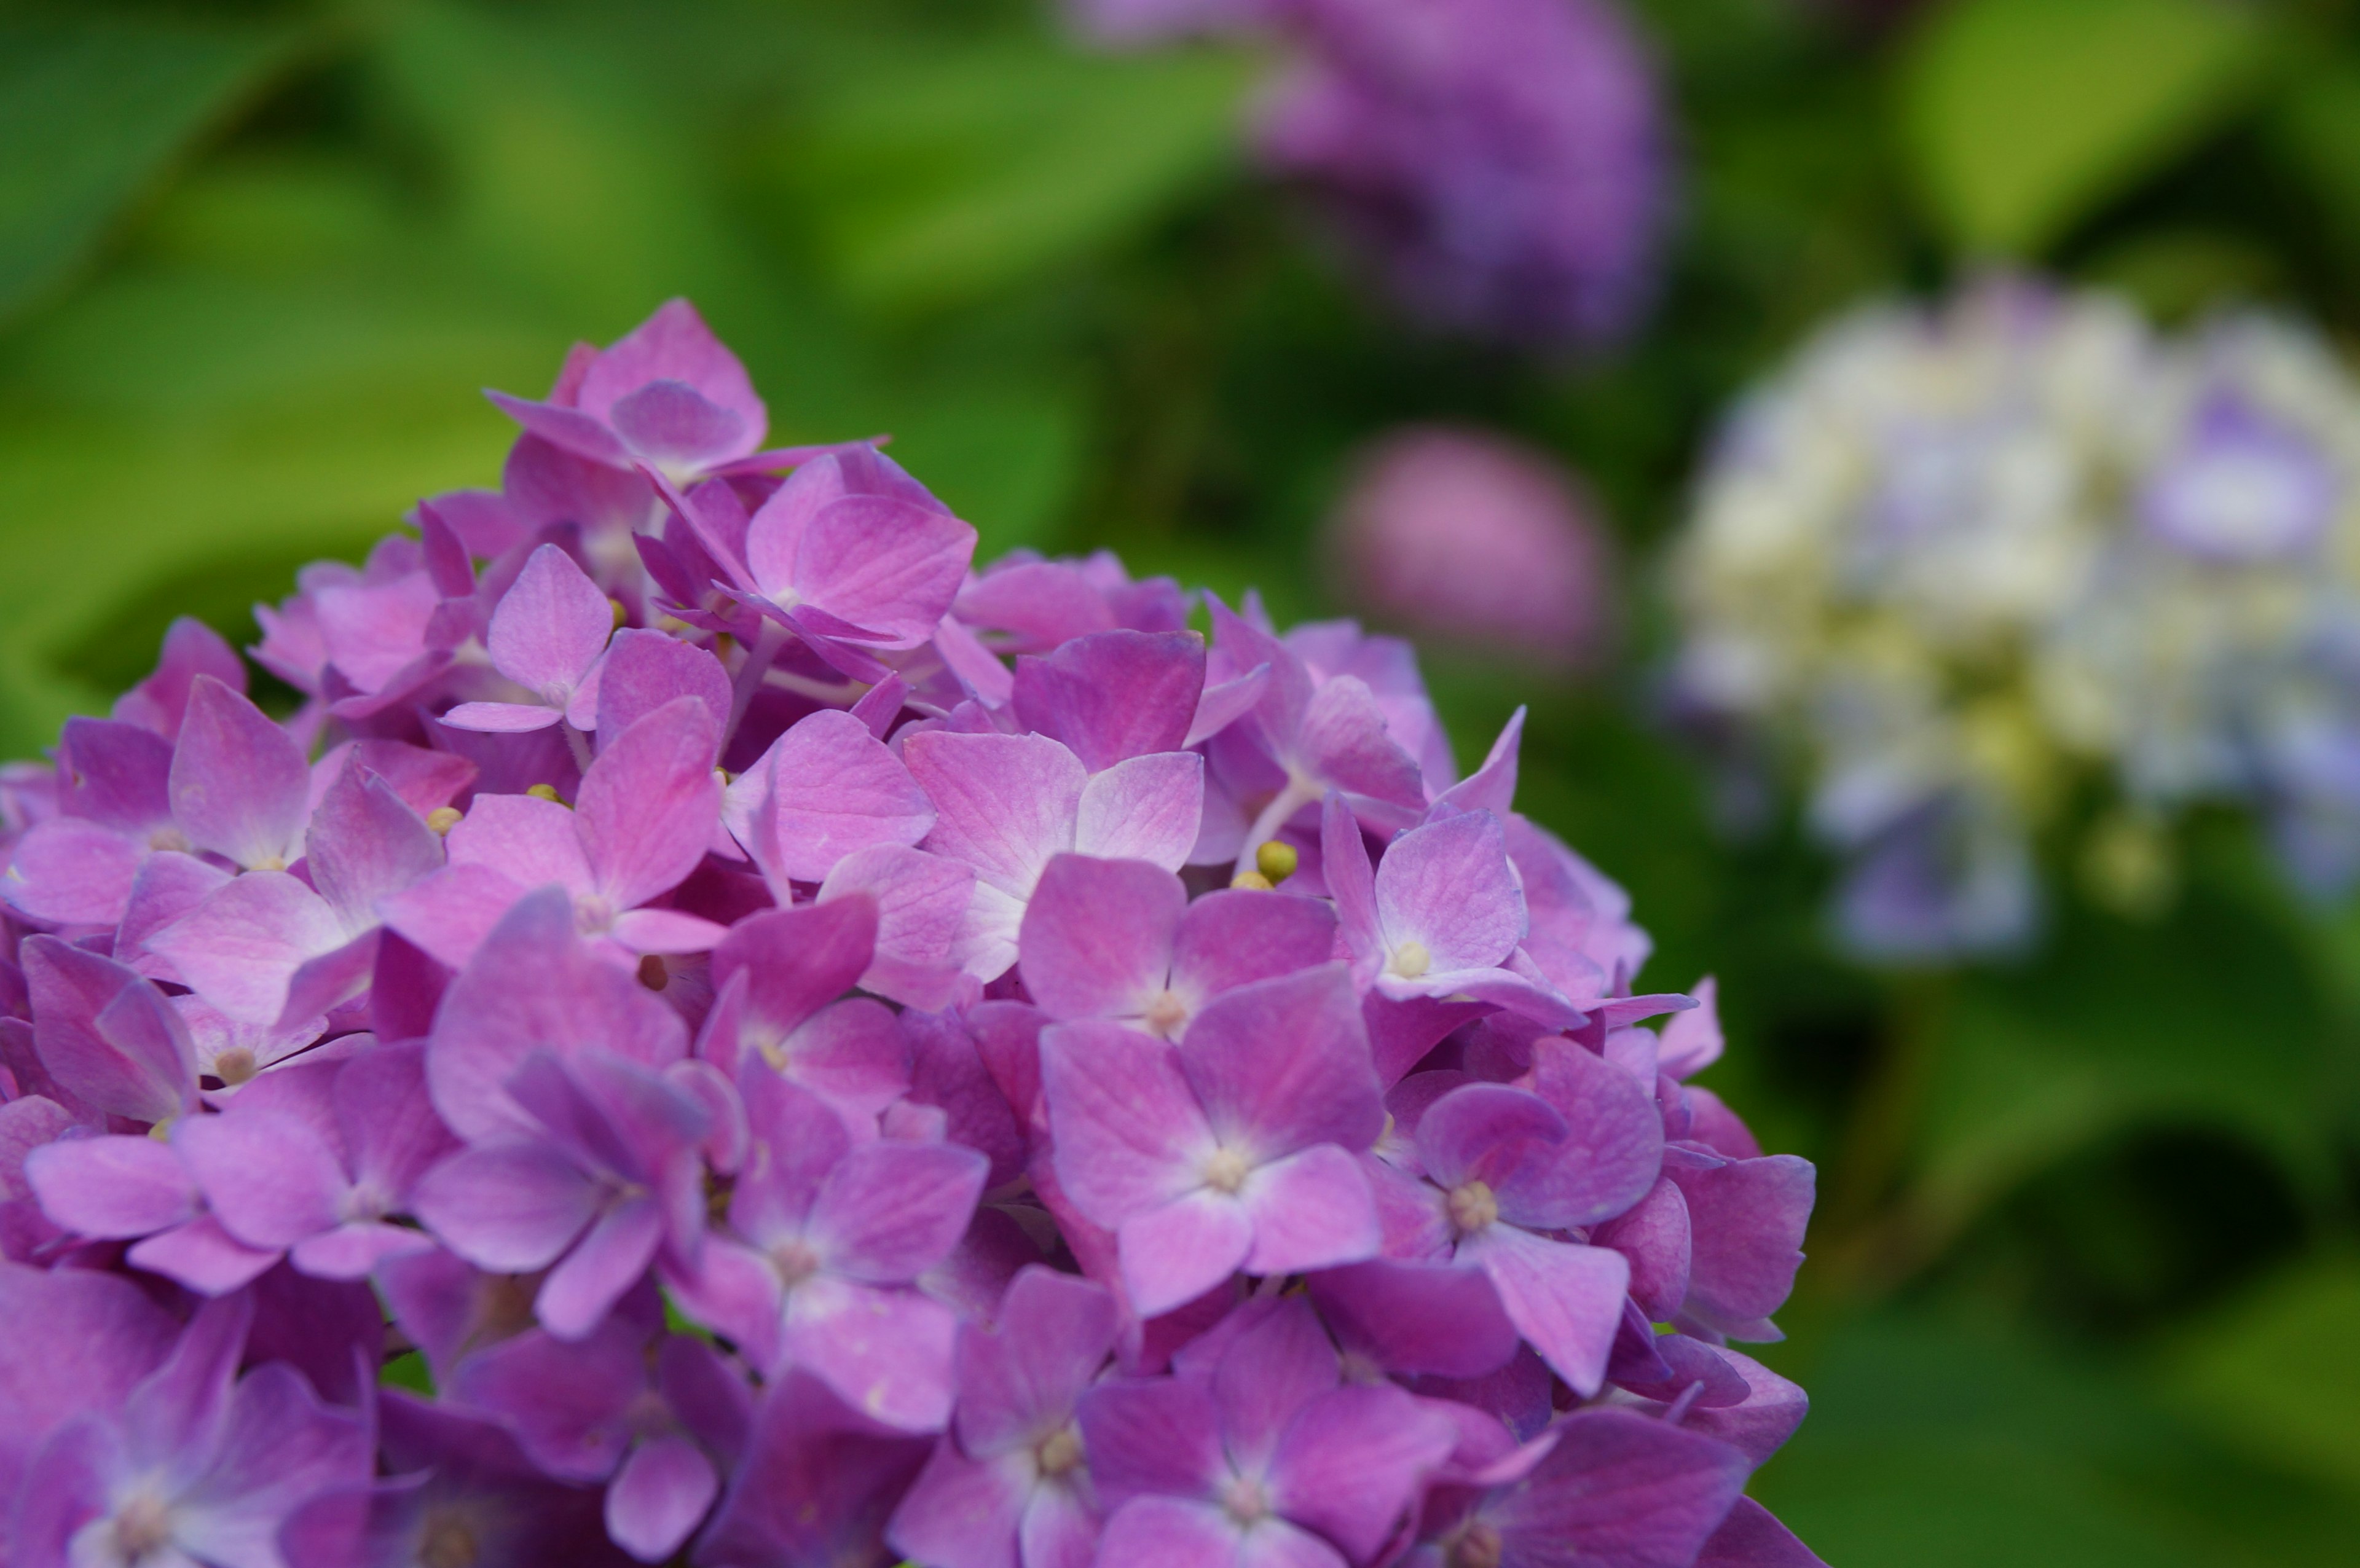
(844, 692)
(750, 674)
(580, 744)
(1299, 792)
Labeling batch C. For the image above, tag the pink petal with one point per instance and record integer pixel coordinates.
(1354, 1459)
(354, 1251)
(511, 1209)
(665, 930)
(1177, 1252)
(668, 423)
(827, 788)
(203, 1256)
(74, 873)
(111, 1188)
(644, 669)
(271, 1178)
(1004, 803)
(1145, 808)
(569, 429)
(962, 1514)
(891, 1211)
(1112, 696)
(502, 718)
(882, 564)
(674, 345)
(795, 961)
(1344, 741)
(450, 914)
(886, 1354)
(660, 1497)
(1565, 1298)
(1323, 1089)
(1236, 935)
(608, 1261)
(1417, 1317)
(647, 806)
(240, 947)
(240, 786)
(1447, 886)
(1128, 1131)
(551, 627)
(530, 840)
(921, 902)
(1311, 1210)
(1098, 935)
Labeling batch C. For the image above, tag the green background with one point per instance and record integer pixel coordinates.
(2086, 1286)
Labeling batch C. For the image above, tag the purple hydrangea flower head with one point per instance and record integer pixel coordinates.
(792, 1052)
(1501, 163)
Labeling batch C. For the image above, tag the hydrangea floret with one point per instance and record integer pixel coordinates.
(717, 1032)
(1961, 558)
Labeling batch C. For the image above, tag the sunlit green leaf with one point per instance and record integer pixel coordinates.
(92, 112)
(940, 179)
(2022, 116)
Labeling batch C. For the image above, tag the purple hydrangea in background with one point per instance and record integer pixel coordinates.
(1500, 166)
(720, 1032)
(1470, 539)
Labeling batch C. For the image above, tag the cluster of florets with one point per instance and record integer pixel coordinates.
(1963, 559)
(1500, 164)
(774, 1045)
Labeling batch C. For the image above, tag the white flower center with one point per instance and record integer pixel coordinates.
(1473, 1206)
(1165, 1013)
(1226, 1170)
(1411, 960)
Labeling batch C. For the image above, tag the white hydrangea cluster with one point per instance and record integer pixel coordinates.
(1960, 557)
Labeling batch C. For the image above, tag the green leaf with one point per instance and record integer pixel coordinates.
(2279, 1375)
(940, 180)
(2021, 116)
(93, 112)
(2315, 127)
(407, 1370)
(2121, 1025)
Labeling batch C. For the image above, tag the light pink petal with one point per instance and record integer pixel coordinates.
(240, 784)
(1322, 1089)
(1127, 1128)
(1113, 695)
(1692, 1040)
(365, 843)
(1145, 808)
(1004, 804)
(1311, 1210)
(1172, 1253)
(569, 429)
(450, 914)
(921, 901)
(674, 345)
(1236, 935)
(671, 424)
(551, 626)
(608, 1261)
(111, 1188)
(1344, 741)
(1060, 1529)
(511, 1209)
(648, 805)
(270, 1177)
(240, 947)
(530, 840)
(660, 1497)
(375, 632)
(71, 871)
(1352, 882)
(1098, 934)
(1354, 1459)
(1223, 705)
(1565, 1298)
(886, 1354)
(665, 930)
(891, 1211)
(830, 787)
(1493, 787)
(644, 669)
(885, 565)
(502, 718)
(853, 1053)
(1448, 888)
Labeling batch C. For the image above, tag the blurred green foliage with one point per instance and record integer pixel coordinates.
(2082, 1290)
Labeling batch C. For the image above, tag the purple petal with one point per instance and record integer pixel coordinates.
(190, 649)
(1746, 1221)
(962, 1514)
(1098, 935)
(882, 564)
(1354, 1460)
(659, 1496)
(532, 841)
(1145, 808)
(1489, 1133)
(241, 946)
(1762, 1421)
(1055, 1331)
(1413, 1317)
(1145, 1438)
(77, 1340)
(1344, 742)
(674, 345)
(502, 718)
(239, 784)
(1352, 882)
(1493, 787)
(70, 872)
(644, 669)
(1630, 1489)
(112, 1188)
(1170, 1533)
(1234, 936)
(270, 1177)
(1613, 1147)
(1448, 888)
(1278, 1362)
(511, 1209)
(609, 1261)
(551, 627)
(665, 931)
(1564, 1298)
(450, 915)
(105, 1034)
(1174, 1253)
(1113, 695)
(648, 805)
(891, 1211)
(827, 788)
(885, 1352)
(1654, 1234)
(1692, 1040)
(1004, 803)
(1322, 1089)
(668, 423)
(365, 843)
(796, 961)
(1750, 1538)
(203, 1256)
(116, 775)
(1311, 1210)
(1128, 1134)
(355, 1251)
(921, 901)
(569, 429)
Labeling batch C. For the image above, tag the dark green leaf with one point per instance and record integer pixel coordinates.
(92, 112)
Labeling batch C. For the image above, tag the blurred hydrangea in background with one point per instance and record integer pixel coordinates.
(1501, 166)
(1955, 558)
(1478, 542)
